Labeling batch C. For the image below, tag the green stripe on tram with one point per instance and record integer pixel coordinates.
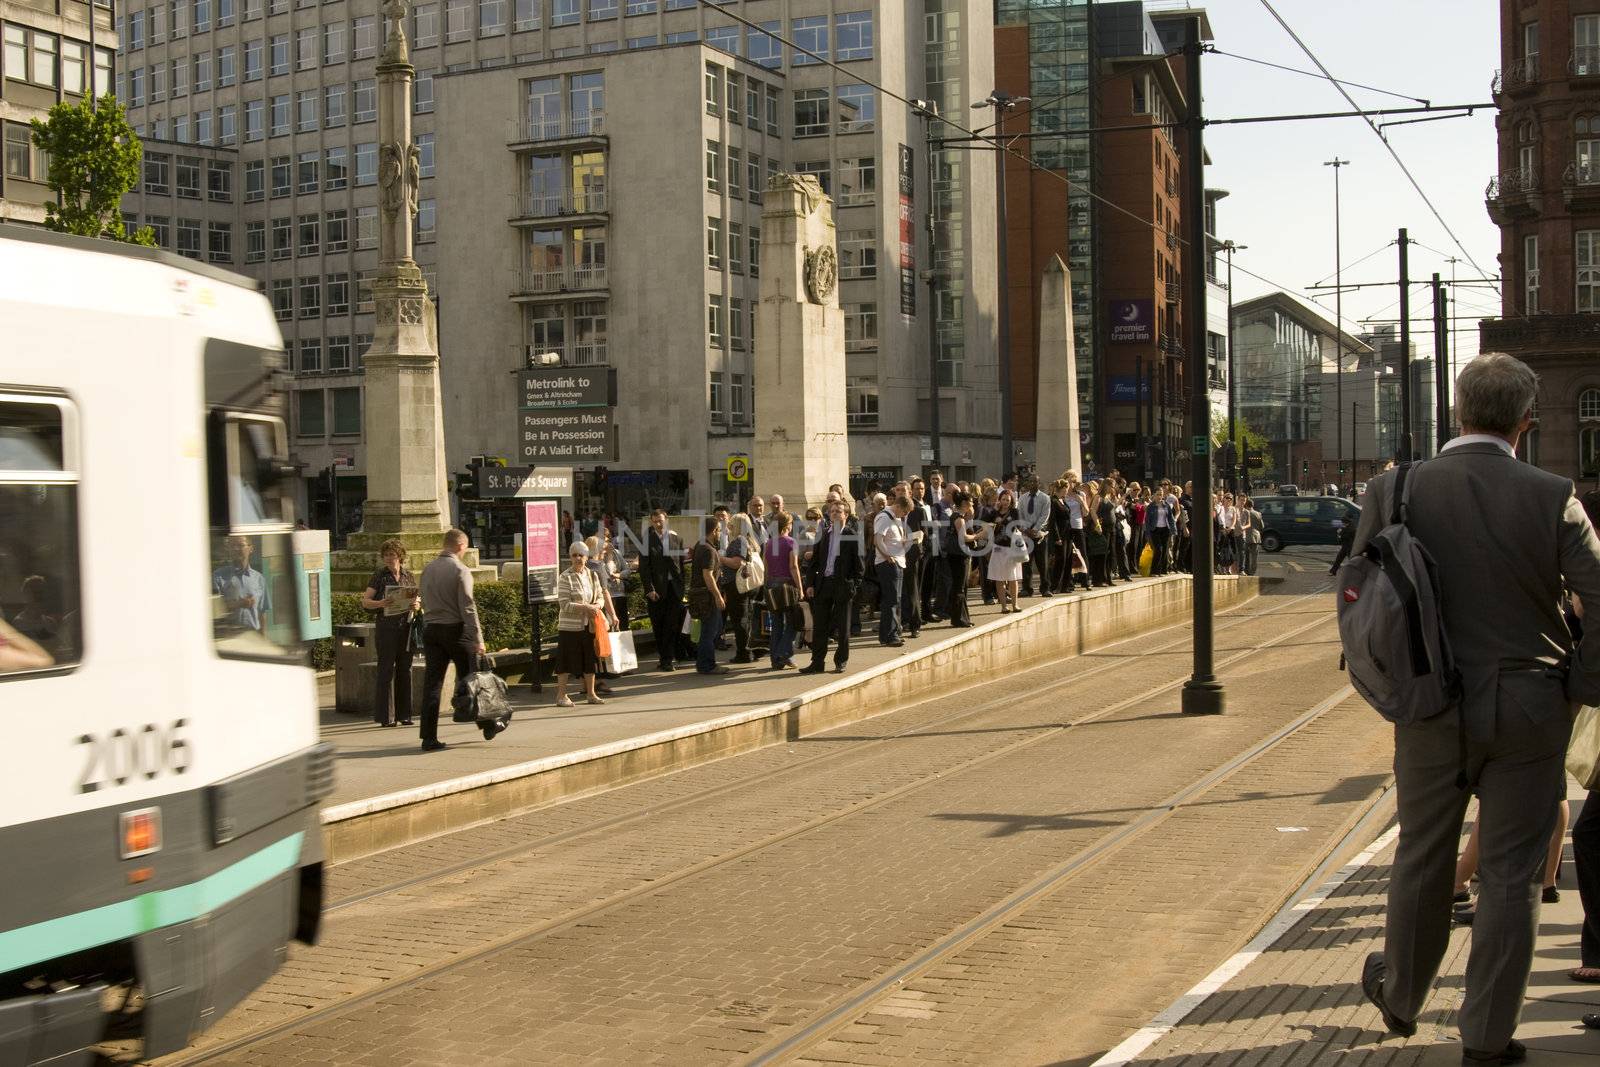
(46, 940)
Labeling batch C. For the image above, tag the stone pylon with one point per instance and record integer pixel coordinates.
(402, 417)
(800, 434)
(1058, 438)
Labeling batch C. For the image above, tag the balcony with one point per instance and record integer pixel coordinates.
(1174, 292)
(569, 128)
(579, 281)
(1584, 63)
(1543, 334)
(575, 355)
(1513, 195)
(1580, 183)
(1172, 242)
(590, 201)
(860, 344)
(1520, 77)
(1170, 345)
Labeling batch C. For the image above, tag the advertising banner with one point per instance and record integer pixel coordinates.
(541, 539)
(1124, 389)
(908, 236)
(1132, 321)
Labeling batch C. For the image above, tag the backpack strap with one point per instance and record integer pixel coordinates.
(1402, 494)
(1407, 590)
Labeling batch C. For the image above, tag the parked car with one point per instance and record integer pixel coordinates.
(1303, 520)
(1288, 490)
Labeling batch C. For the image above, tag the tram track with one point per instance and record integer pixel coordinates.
(583, 915)
(1236, 617)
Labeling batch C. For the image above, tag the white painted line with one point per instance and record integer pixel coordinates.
(1167, 1021)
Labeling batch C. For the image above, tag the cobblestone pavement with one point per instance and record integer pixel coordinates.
(713, 915)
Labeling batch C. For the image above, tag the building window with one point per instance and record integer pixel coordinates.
(1589, 405)
(736, 323)
(526, 15)
(336, 168)
(282, 176)
(366, 100)
(339, 354)
(810, 35)
(714, 244)
(219, 242)
(716, 320)
(772, 119)
(738, 396)
(735, 173)
(589, 323)
(311, 413)
(158, 229)
(425, 155)
(425, 25)
(228, 124)
(1586, 248)
(713, 89)
(310, 234)
(364, 37)
(858, 181)
(305, 48)
(346, 411)
(188, 178)
(310, 356)
(858, 254)
(178, 76)
(255, 117)
(1589, 452)
(367, 163)
(189, 238)
(156, 168)
(366, 227)
(860, 327)
(427, 220)
(338, 290)
(280, 115)
(333, 106)
(255, 181)
(282, 238)
(225, 12)
(752, 177)
(735, 248)
(858, 108)
(202, 126)
(252, 61)
(713, 167)
(336, 231)
(724, 39)
(600, 10)
(255, 242)
(333, 43)
(861, 401)
(811, 112)
(422, 99)
(278, 54)
(1530, 275)
(564, 12)
(718, 400)
(492, 18)
(219, 181)
(818, 169)
(762, 46)
(853, 35)
(310, 298)
(755, 251)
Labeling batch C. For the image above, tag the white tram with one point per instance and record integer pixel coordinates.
(160, 769)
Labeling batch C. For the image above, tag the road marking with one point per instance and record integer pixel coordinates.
(1292, 913)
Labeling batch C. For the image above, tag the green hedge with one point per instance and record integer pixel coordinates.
(505, 619)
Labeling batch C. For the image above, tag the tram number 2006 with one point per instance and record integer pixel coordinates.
(137, 752)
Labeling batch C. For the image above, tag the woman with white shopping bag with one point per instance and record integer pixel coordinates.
(582, 602)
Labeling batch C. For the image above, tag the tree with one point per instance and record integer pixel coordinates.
(94, 159)
(1243, 436)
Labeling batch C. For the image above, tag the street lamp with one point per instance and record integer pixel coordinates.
(1338, 311)
(1237, 472)
(1003, 102)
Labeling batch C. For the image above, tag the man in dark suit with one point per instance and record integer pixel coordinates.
(661, 575)
(832, 578)
(1521, 676)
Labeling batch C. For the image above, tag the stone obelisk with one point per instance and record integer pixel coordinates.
(407, 494)
(1058, 437)
(800, 434)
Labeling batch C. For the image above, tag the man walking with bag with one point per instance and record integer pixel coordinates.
(1506, 735)
(451, 634)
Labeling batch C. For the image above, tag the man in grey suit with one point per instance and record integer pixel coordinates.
(1506, 536)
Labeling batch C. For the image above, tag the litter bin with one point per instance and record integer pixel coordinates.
(355, 658)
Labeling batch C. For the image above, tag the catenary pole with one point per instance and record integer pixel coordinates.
(1406, 454)
(1441, 338)
(1202, 693)
(1338, 313)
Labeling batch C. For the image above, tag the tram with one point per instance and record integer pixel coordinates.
(160, 771)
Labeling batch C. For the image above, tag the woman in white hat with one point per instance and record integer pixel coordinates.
(581, 599)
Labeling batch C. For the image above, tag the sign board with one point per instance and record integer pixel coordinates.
(908, 237)
(520, 483)
(1200, 445)
(1125, 389)
(567, 413)
(738, 467)
(541, 539)
(1132, 321)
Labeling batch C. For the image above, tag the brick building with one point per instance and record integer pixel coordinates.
(1546, 201)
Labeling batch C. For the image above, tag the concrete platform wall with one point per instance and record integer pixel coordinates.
(1046, 630)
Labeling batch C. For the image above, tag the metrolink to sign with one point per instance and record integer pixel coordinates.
(568, 414)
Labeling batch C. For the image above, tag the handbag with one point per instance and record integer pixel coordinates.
(782, 597)
(480, 696)
(602, 637)
(1583, 751)
(752, 575)
(699, 602)
(624, 657)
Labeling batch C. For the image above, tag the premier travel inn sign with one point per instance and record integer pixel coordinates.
(568, 413)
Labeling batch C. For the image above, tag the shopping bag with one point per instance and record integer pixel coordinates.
(602, 637)
(1583, 751)
(688, 623)
(623, 656)
(1147, 560)
(480, 697)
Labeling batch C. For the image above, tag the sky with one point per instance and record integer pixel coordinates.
(1281, 202)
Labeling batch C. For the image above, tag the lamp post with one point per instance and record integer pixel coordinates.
(1338, 313)
(1003, 102)
(1235, 475)
(929, 110)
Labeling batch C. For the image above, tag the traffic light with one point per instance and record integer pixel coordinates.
(466, 483)
(1305, 466)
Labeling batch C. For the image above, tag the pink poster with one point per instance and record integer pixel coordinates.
(541, 548)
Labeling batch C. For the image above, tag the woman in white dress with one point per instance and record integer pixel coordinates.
(1009, 549)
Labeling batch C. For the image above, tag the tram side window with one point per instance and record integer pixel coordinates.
(255, 612)
(41, 627)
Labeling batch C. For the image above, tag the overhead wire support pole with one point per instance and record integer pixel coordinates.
(1002, 103)
(1406, 455)
(1202, 693)
(1441, 402)
(1338, 315)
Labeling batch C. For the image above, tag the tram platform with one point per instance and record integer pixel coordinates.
(389, 792)
(1292, 996)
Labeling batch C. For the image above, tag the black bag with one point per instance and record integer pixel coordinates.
(481, 697)
(700, 603)
(782, 597)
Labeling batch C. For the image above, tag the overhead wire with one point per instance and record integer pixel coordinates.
(1314, 74)
(1379, 133)
(1357, 263)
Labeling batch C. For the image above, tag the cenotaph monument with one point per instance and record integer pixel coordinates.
(402, 417)
(1059, 434)
(800, 434)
